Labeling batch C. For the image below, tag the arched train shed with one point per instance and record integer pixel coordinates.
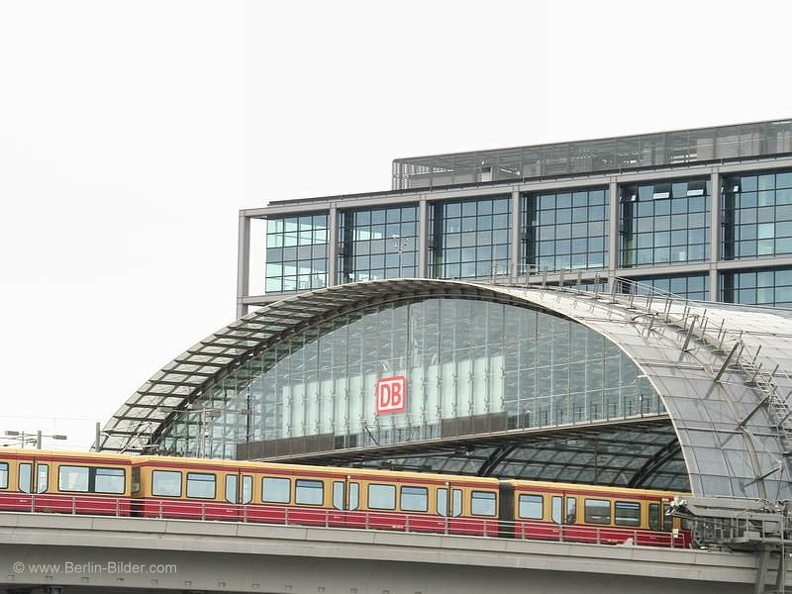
(595, 386)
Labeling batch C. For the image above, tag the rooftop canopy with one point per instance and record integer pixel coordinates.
(645, 151)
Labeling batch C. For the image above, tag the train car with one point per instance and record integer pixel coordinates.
(64, 482)
(585, 513)
(310, 495)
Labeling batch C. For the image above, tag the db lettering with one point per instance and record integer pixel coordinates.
(391, 394)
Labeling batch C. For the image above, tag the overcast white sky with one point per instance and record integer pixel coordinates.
(132, 133)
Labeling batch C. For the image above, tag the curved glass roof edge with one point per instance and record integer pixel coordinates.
(712, 365)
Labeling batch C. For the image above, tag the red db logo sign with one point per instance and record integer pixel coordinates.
(391, 394)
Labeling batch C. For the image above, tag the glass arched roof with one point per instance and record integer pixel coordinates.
(722, 373)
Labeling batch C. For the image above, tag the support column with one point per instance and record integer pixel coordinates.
(614, 224)
(423, 238)
(715, 236)
(243, 263)
(516, 226)
(332, 246)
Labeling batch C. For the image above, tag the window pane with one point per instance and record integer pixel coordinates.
(231, 488)
(43, 478)
(482, 503)
(338, 495)
(201, 484)
(628, 513)
(3, 475)
(531, 507)
(597, 511)
(73, 478)
(166, 483)
(442, 502)
(414, 498)
(309, 492)
(25, 472)
(276, 490)
(382, 496)
(110, 480)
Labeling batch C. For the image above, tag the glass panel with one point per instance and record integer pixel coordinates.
(531, 507)
(597, 511)
(73, 478)
(571, 510)
(381, 496)
(654, 516)
(110, 480)
(338, 494)
(309, 492)
(247, 489)
(628, 513)
(556, 509)
(25, 476)
(3, 475)
(482, 503)
(354, 496)
(231, 488)
(276, 490)
(414, 499)
(43, 478)
(201, 485)
(166, 483)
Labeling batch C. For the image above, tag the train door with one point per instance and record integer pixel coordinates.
(564, 512)
(346, 504)
(239, 491)
(449, 506)
(34, 480)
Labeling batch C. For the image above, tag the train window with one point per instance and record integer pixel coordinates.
(231, 488)
(414, 499)
(276, 490)
(73, 478)
(135, 479)
(201, 485)
(42, 478)
(556, 509)
(3, 475)
(597, 511)
(654, 516)
(531, 507)
(109, 480)
(166, 483)
(338, 495)
(309, 492)
(25, 472)
(627, 513)
(482, 503)
(354, 496)
(381, 496)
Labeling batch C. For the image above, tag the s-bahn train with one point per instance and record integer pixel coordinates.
(361, 498)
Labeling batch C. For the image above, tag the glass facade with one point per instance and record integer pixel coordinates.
(379, 243)
(565, 230)
(665, 223)
(504, 365)
(296, 253)
(470, 238)
(757, 215)
(694, 286)
(771, 287)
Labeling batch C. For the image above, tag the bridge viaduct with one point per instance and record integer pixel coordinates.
(54, 554)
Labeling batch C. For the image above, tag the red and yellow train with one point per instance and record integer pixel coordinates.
(205, 489)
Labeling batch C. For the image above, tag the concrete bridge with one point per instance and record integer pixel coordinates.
(48, 553)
